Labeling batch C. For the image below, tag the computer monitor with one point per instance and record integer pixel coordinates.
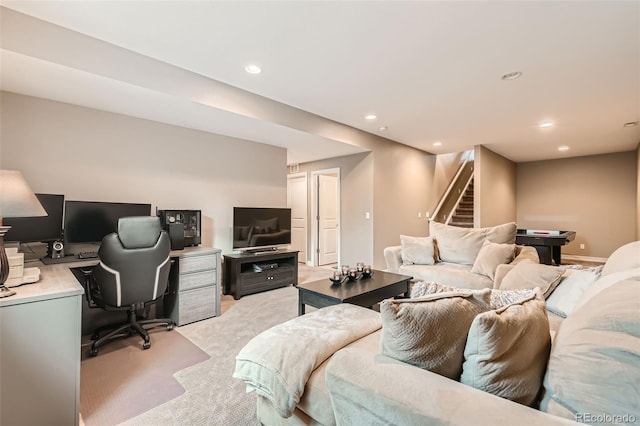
(38, 229)
(90, 221)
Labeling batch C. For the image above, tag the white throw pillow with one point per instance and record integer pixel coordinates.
(490, 256)
(417, 250)
(571, 288)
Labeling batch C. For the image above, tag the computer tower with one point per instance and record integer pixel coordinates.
(183, 226)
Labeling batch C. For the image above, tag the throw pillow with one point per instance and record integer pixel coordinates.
(417, 250)
(507, 350)
(461, 245)
(593, 367)
(569, 291)
(532, 275)
(490, 256)
(430, 332)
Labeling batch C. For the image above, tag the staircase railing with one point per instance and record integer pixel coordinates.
(452, 196)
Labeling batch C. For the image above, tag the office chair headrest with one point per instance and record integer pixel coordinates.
(138, 231)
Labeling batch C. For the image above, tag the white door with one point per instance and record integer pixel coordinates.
(328, 219)
(297, 202)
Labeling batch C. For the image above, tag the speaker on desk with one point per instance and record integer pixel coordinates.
(176, 235)
(56, 249)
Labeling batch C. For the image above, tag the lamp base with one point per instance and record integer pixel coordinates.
(4, 264)
(5, 292)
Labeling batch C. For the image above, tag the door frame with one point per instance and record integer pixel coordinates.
(306, 196)
(313, 218)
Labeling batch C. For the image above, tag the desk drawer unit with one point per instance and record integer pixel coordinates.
(194, 287)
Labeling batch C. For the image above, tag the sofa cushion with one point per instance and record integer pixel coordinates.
(593, 367)
(532, 275)
(430, 332)
(490, 256)
(417, 250)
(507, 350)
(461, 245)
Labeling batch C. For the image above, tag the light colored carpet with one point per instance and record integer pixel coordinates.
(212, 396)
(123, 373)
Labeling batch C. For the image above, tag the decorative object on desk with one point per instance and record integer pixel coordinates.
(345, 270)
(16, 200)
(353, 274)
(337, 278)
(360, 266)
(367, 272)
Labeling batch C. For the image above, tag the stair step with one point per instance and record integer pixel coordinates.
(463, 217)
(461, 224)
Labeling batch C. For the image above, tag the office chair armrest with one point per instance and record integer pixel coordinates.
(88, 287)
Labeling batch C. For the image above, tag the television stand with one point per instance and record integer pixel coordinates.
(248, 273)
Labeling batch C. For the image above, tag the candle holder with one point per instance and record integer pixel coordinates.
(345, 270)
(353, 274)
(367, 271)
(337, 278)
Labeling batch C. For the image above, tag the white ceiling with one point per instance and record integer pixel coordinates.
(430, 71)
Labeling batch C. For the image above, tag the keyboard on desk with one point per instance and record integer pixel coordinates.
(87, 255)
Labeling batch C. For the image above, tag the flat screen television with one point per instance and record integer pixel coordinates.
(257, 228)
(38, 229)
(90, 221)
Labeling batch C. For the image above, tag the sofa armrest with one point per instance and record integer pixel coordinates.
(393, 257)
(369, 389)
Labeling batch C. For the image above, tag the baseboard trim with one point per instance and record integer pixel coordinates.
(584, 258)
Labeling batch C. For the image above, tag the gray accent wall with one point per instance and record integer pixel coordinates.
(94, 155)
(596, 196)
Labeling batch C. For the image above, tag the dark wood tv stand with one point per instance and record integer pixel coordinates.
(248, 273)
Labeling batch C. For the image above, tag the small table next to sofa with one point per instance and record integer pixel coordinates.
(364, 292)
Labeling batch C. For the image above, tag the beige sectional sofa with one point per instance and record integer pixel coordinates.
(458, 257)
(334, 373)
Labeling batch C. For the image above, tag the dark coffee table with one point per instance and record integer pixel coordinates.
(363, 292)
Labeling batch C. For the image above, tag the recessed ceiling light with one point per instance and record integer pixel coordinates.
(437, 143)
(546, 125)
(370, 117)
(631, 124)
(383, 128)
(511, 75)
(563, 148)
(253, 69)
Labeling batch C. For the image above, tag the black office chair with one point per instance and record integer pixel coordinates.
(133, 273)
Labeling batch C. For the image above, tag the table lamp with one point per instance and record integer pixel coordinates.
(16, 200)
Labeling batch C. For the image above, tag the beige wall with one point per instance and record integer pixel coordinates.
(638, 193)
(93, 155)
(596, 196)
(356, 198)
(393, 183)
(494, 188)
(403, 188)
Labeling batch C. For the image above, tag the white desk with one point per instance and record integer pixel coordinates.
(40, 350)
